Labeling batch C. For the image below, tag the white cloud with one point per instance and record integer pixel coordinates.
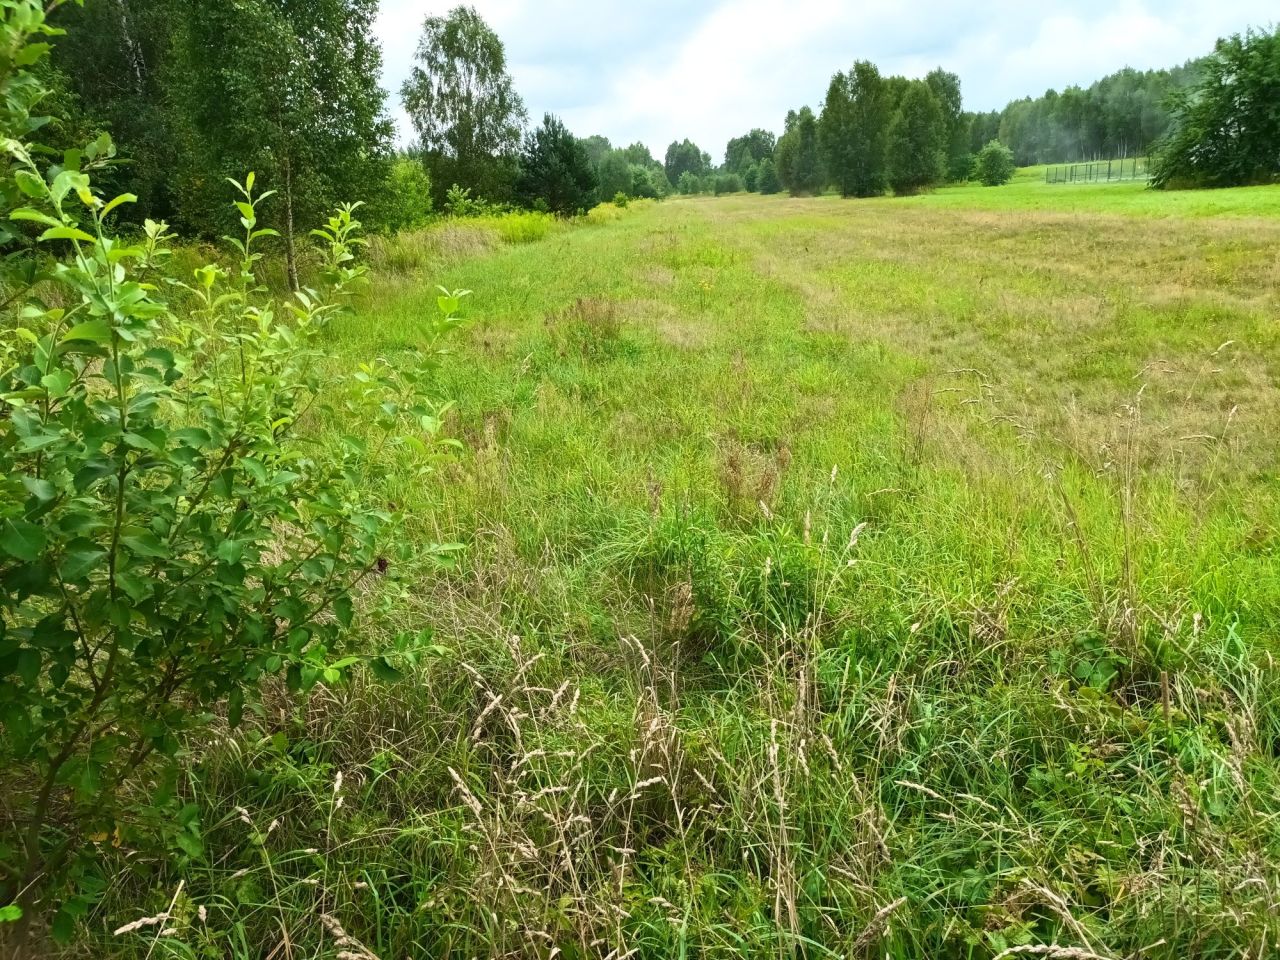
(658, 72)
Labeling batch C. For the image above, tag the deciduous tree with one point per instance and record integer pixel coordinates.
(852, 130)
(757, 144)
(1226, 131)
(288, 89)
(799, 160)
(767, 178)
(463, 104)
(916, 149)
(685, 157)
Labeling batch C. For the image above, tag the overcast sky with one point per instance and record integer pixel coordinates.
(664, 70)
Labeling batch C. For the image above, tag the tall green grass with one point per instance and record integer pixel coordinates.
(842, 579)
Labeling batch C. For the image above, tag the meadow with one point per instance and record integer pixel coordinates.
(887, 578)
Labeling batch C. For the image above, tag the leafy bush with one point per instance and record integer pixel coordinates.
(767, 181)
(995, 164)
(604, 213)
(526, 226)
(406, 204)
(459, 203)
(168, 536)
(728, 183)
(960, 167)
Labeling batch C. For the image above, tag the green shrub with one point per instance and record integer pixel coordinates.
(604, 213)
(728, 183)
(406, 204)
(168, 535)
(767, 179)
(459, 203)
(995, 164)
(525, 226)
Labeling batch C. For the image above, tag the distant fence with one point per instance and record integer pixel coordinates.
(1100, 171)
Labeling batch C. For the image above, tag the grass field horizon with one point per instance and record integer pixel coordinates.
(886, 578)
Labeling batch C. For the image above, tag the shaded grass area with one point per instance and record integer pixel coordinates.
(880, 578)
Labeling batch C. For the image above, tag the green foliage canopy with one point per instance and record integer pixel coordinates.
(555, 170)
(916, 141)
(852, 131)
(463, 105)
(685, 157)
(995, 164)
(1226, 130)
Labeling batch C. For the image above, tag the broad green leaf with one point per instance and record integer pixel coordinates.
(58, 382)
(123, 198)
(30, 184)
(22, 540)
(67, 233)
(145, 545)
(29, 663)
(34, 216)
(96, 331)
(31, 54)
(384, 671)
(39, 488)
(80, 561)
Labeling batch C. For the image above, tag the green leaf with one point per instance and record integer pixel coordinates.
(39, 488)
(190, 844)
(34, 216)
(63, 927)
(235, 707)
(67, 233)
(384, 671)
(22, 540)
(81, 559)
(58, 382)
(29, 662)
(97, 331)
(31, 54)
(11, 913)
(145, 545)
(342, 609)
(123, 198)
(30, 184)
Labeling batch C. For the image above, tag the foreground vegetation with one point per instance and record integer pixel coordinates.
(895, 595)
(810, 579)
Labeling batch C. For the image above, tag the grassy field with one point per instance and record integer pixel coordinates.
(890, 578)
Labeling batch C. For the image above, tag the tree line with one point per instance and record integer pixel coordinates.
(1209, 122)
(195, 93)
(1122, 115)
(873, 133)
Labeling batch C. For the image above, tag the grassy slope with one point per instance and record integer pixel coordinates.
(916, 558)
